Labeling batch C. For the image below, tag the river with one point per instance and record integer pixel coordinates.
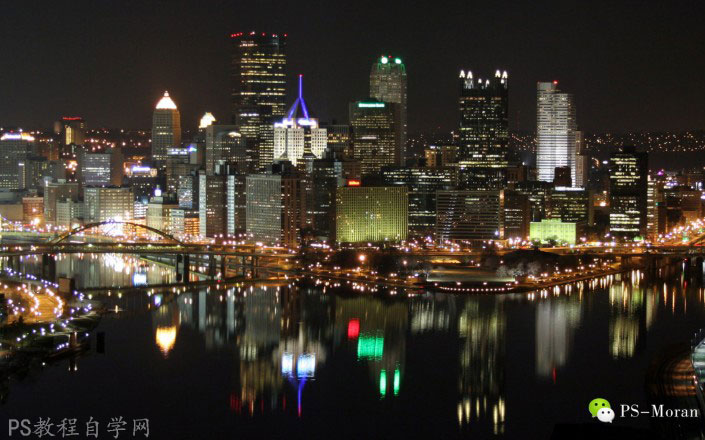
(316, 361)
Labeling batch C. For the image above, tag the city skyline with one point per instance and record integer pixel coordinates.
(644, 82)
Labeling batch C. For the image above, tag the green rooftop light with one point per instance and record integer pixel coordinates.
(397, 60)
(384, 60)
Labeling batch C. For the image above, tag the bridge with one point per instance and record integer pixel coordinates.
(169, 245)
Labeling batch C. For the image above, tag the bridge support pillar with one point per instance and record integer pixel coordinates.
(223, 266)
(183, 268)
(49, 267)
(211, 266)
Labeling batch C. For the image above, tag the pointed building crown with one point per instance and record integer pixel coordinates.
(166, 103)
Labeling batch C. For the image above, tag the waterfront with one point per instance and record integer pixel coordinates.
(310, 360)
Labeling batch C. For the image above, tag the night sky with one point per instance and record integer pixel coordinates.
(633, 65)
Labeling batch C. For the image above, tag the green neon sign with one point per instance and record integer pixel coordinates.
(383, 383)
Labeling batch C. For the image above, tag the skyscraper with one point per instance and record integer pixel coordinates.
(73, 130)
(223, 143)
(166, 129)
(484, 121)
(298, 134)
(388, 84)
(15, 148)
(556, 129)
(258, 73)
(374, 135)
(628, 193)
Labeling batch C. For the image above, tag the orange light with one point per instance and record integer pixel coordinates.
(353, 183)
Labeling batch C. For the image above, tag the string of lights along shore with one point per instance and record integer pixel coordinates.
(274, 171)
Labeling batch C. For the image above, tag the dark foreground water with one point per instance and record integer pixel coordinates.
(311, 361)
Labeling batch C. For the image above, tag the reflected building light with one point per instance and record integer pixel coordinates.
(166, 338)
(287, 364)
(370, 347)
(306, 365)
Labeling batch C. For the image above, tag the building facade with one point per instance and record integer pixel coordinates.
(373, 125)
(258, 77)
(556, 129)
(468, 215)
(388, 84)
(166, 129)
(628, 193)
(484, 121)
(371, 214)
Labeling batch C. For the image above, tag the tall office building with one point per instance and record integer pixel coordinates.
(484, 121)
(258, 74)
(655, 208)
(217, 208)
(628, 193)
(73, 130)
(571, 205)
(582, 161)
(373, 124)
(166, 129)
(556, 129)
(55, 191)
(299, 135)
(422, 184)
(15, 148)
(339, 138)
(275, 203)
(108, 203)
(388, 84)
(224, 143)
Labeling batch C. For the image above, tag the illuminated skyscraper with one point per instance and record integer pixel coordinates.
(556, 129)
(374, 136)
(223, 143)
(628, 193)
(258, 73)
(422, 184)
(388, 84)
(484, 121)
(298, 134)
(166, 129)
(73, 130)
(15, 148)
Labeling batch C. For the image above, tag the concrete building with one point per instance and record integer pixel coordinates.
(373, 124)
(484, 120)
(388, 84)
(468, 215)
(166, 129)
(298, 135)
(554, 229)
(629, 171)
(422, 184)
(371, 214)
(556, 130)
(275, 210)
(54, 191)
(108, 204)
(258, 75)
(15, 148)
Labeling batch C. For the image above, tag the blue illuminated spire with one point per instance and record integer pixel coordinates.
(299, 100)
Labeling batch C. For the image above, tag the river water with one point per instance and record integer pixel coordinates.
(318, 361)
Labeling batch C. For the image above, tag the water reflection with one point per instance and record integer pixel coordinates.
(284, 343)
